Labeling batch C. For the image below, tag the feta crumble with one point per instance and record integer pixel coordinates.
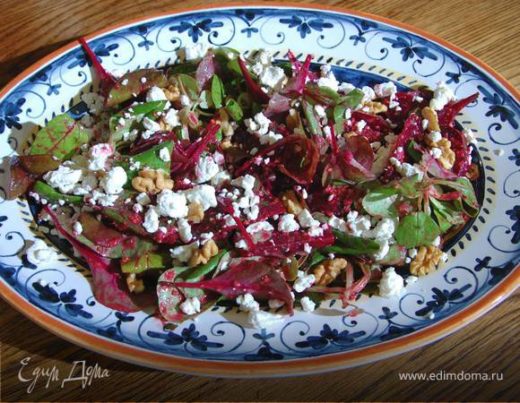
(40, 254)
(303, 281)
(308, 305)
(391, 284)
(171, 204)
(287, 223)
(151, 220)
(190, 306)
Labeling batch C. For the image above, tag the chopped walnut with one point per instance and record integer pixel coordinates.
(172, 93)
(134, 284)
(374, 107)
(426, 260)
(433, 120)
(151, 181)
(327, 271)
(447, 158)
(292, 202)
(195, 213)
(225, 125)
(202, 255)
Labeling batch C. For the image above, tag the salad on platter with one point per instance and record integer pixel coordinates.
(251, 182)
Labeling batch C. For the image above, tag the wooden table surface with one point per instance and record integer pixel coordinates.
(29, 29)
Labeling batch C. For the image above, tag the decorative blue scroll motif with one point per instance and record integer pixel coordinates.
(189, 336)
(9, 114)
(265, 352)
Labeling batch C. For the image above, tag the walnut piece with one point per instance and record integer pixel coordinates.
(293, 120)
(374, 107)
(292, 202)
(172, 93)
(134, 284)
(433, 120)
(202, 255)
(447, 158)
(225, 125)
(195, 213)
(426, 260)
(151, 181)
(327, 271)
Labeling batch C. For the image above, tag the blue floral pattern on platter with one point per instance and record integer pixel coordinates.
(363, 52)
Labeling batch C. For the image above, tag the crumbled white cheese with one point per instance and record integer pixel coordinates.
(360, 125)
(77, 228)
(368, 94)
(206, 169)
(40, 254)
(246, 182)
(185, 100)
(247, 303)
(328, 79)
(384, 90)
(151, 220)
(384, 248)
(437, 241)
(164, 154)
(412, 252)
(345, 88)
(143, 199)
(195, 51)
(172, 118)
(190, 306)
(155, 94)
(264, 320)
(391, 284)
(203, 195)
(287, 223)
(273, 77)
(150, 125)
(220, 178)
(442, 95)
(259, 226)
(405, 169)
(434, 136)
(172, 204)
(99, 154)
(436, 153)
(411, 280)
(303, 281)
(308, 305)
(114, 181)
(184, 228)
(384, 229)
(259, 125)
(64, 178)
(358, 225)
(183, 253)
(306, 219)
(102, 199)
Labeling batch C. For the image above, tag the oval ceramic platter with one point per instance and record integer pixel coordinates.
(483, 265)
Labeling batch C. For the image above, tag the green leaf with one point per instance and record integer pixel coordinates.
(469, 198)
(148, 261)
(234, 110)
(137, 113)
(217, 91)
(395, 256)
(339, 119)
(149, 159)
(447, 214)
(415, 155)
(352, 245)
(198, 272)
(416, 229)
(50, 194)
(189, 86)
(134, 83)
(182, 68)
(316, 258)
(313, 125)
(380, 202)
(321, 95)
(410, 187)
(61, 138)
(352, 99)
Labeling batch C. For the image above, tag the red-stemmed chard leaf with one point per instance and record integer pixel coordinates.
(205, 70)
(296, 83)
(106, 79)
(252, 86)
(299, 159)
(448, 114)
(434, 167)
(133, 84)
(356, 159)
(185, 155)
(19, 180)
(257, 278)
(108, 283)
